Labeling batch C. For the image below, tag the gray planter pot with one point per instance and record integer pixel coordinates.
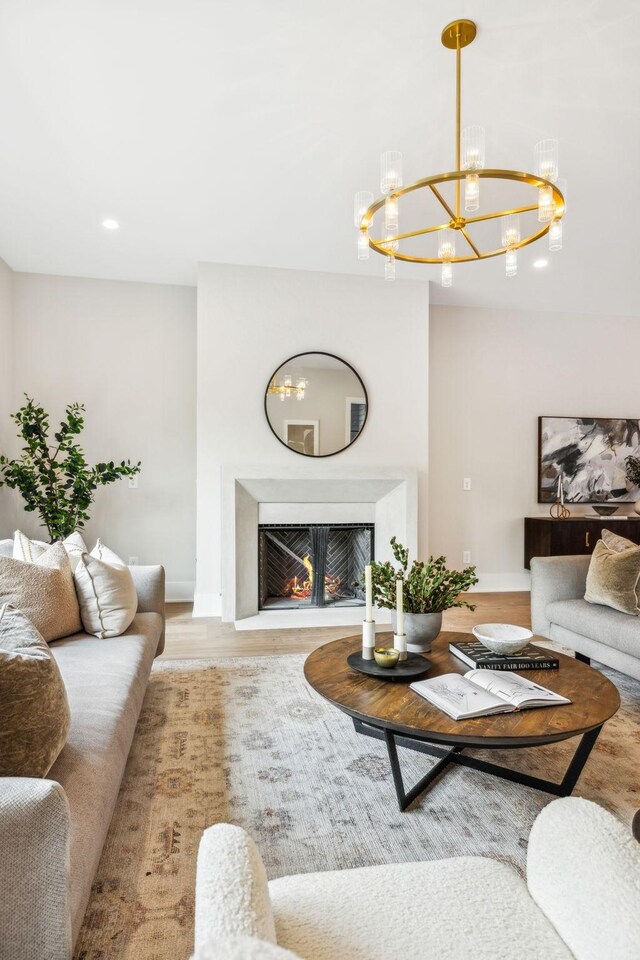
(421, 630)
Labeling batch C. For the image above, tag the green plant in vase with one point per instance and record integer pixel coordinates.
(632, 465)
(429, 588)
(55, 479)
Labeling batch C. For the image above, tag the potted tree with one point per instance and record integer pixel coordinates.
(55, 479)
(430, 587)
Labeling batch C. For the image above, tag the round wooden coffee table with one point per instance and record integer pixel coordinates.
(396, 714)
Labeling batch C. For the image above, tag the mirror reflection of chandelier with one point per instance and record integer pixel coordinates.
(456, 235)
(287, 388)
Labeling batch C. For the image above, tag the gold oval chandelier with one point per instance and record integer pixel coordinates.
(547, 200)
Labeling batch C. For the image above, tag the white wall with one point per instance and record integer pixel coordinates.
(492, 373)
(250, 320)
(6, 384)
(127, 351)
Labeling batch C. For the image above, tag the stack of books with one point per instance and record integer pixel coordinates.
(476, 655)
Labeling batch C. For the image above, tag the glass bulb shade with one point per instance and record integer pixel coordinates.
(547, 153)
(511, 263)
(472, 153)
(390, 171)
(363, 245)
(391, 214)
(361, 202)
(446, 244)
(446, 277)
(389, 268)
(391, 245)
(555, 236)
(287, 380)
(282, 397)
(471, 192)
(510, 230)
(546, 206)
(561, 184)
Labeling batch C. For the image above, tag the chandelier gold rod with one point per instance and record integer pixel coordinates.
(413, 233)
(470, 242)
(500, 213)
(442, 200)
(458, 111)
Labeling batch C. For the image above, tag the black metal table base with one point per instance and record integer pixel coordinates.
(448, 755)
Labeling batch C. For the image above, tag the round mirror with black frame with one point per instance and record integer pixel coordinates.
(316, 404)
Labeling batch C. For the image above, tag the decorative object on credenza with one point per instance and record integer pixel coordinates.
(632, 473)
(386, 657)
(369, 624)
(558, 510)
(428, 588)
(502, 638)
(55, 480)
(412, 668)
(605, 509)
(590, 455)
(316, 404)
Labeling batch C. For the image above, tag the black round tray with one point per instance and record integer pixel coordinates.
(410, 669)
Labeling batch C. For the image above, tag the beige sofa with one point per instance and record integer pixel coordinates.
(581, 899)
(560, 612)
(52, 831)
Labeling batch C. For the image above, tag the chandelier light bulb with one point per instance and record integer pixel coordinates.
(361, 202)
(471, 192)
(547, 154)
(472, 148)
(363, 245)
(511, 263)
(389, 268)
(446, 244)
(391, 245)
(446, 277)
(546, 206)
(555, 236)
(510, 230)
(391, 215)
(390, 171)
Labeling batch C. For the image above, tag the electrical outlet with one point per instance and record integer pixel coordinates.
(466, 483)
(133, 561)
(466, 556)
(133, 482)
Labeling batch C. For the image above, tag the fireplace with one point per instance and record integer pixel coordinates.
(313, 565)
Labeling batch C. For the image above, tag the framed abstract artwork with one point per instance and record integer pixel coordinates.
(589, 454)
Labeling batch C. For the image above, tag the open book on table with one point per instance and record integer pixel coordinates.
(480, 693)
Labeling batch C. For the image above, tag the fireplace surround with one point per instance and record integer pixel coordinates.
(312, 565)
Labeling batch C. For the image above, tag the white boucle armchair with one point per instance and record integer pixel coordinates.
(581, 900)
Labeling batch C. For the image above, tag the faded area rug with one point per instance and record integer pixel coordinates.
(248, 742)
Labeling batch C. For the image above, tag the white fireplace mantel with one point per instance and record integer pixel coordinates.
(389, 493)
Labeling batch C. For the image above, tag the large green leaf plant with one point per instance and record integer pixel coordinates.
(55, 479)
(429, 586)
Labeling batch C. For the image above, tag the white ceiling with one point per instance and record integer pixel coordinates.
(238, 130)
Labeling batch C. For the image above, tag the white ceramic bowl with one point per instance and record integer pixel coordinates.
(503, 638)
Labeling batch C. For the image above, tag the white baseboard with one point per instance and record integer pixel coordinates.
(502, 582)
(207, 605)
(179, 591)
(314, 617)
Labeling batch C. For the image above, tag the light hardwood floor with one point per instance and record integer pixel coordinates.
(189, 638)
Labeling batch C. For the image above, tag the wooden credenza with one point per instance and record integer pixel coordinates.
(545, 537)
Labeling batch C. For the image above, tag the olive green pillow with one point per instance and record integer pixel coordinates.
(34, 710)
(615, 542)
(612, 578)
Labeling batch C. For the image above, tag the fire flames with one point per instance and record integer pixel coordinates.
(302, 587)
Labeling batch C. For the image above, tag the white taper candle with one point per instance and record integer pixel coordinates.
(399, 607)
(368, 586)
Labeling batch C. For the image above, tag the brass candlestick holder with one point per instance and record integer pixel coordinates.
(558, 511)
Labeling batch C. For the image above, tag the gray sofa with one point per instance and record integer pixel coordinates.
(560, 612)
(52, 831)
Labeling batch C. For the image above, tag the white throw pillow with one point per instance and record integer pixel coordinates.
(30, 550)
(106, 592)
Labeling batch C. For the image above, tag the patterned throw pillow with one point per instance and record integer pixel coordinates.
(29, 550)
(106, 592)
(612, 579)
(44, 591)
(34, 711)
